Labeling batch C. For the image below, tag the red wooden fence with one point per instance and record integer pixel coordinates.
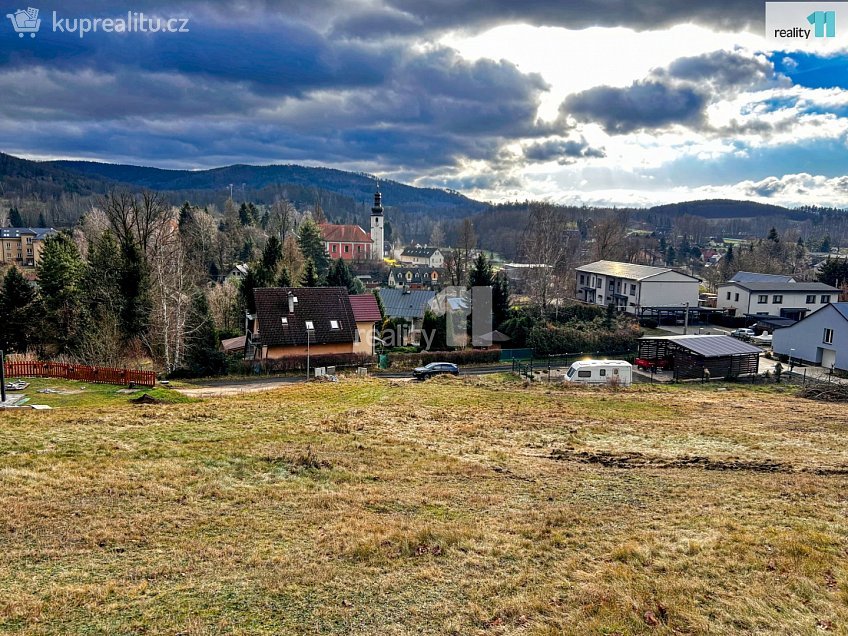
(66, 371)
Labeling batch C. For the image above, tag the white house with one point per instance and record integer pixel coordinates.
(756, 277)
(427, 256)
(820, 338)
(787, 300)
(632, 287)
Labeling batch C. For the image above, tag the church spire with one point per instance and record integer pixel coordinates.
(378, 202)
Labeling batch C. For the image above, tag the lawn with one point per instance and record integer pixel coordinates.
(66, 393)
(454, 506)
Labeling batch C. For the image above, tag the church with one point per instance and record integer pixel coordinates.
(351, 242)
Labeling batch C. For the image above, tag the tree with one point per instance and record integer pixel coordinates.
(609, 235)
(246, 287)
(550, 248)
(285, 278)
(281, 218)
(202, 356)
(269, 265)
(500, 300)
(380, 304)
(246, 215)
(437, 236)
(436, 329)
(312, 246)
(772, 236)
(670, 255)
(15, 218)
(834, 271)
(135, 290)
(19, 314)
(341, 276)
(481, 274)
(310, 276)
(60, 277)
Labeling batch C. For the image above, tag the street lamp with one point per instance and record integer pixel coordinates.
(309, 331)
(791, 364)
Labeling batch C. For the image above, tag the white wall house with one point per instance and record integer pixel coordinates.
(428, 256)
(631, 287)
(787, 300)
(820, 338)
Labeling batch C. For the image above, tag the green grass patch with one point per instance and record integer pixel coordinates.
(72, 394)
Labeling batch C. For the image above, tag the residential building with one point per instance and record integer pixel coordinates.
(22, 246)
(820, 338)
(427, 256)
(407, 304)
(415, 277)
(632, 288)
(290, 319)
(784, 299)
(366, 313)
(237, 273)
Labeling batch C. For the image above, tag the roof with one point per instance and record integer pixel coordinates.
(365, 308)
(344, 233)
(418, 274)
(710, 346)
(627, 270)
(16, 232)
(783, 287)
(842, 308)
(233, 344)
(399, 303)
(318, 304)
(421, 252)
(754, 277)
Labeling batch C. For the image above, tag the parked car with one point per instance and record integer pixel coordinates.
(763, 338)
(743, 333)
(435, 368)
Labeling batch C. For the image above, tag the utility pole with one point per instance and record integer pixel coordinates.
(686, 320)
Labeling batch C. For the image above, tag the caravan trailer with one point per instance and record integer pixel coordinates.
(600, 372)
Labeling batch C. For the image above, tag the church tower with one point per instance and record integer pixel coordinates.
(377, 226)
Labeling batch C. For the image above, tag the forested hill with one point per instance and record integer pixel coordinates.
(263, 180)
(727, 209)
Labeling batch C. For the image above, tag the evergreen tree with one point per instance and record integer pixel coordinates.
(135, 290)
(436, 329)
(202, 356)
(341, 276)
(15, 218)
(312, 245)
(380, 304)
(310, 276)
(60, 277)
(185, 217)
(248, 284)
(245, 214)
(772, 236)
(102, 281)
(670, 255)
(285, 279)
(834, 271)
(500, 300)
(19, 313)
(42, 222)
(825, 244)
(271, 257)
(481, 274)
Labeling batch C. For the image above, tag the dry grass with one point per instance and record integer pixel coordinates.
(445, 507)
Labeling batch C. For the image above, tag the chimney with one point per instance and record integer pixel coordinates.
(291, 303)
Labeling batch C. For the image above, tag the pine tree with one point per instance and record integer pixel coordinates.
(60, 278)
(500, 300)
(245, 215)
(202, 357)
(310, 276)
(312, 245)
(270, 263)
(15, 218)
(481, 274)
(102, 278)
(246, 287)
(341, 276)
(42, 222)
(285, 279)
(772, 236)
(135, 290)
(380, 304)
(19, 313)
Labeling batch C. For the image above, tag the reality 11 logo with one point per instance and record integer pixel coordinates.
(824, 22)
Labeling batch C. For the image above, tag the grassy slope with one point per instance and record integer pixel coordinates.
(452, 506)
(86, 394)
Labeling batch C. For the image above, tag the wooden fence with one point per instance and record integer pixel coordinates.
(66, 371)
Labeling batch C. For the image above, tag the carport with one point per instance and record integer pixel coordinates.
(689, 356)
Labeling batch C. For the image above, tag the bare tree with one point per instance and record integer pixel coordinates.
(283, 218)
(609, 235)
(437, 236)
(549, 247)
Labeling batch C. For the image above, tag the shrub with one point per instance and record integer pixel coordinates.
(467, 356)
(298, 363)
(649, 323)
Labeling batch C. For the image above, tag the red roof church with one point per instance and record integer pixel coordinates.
(349, 242)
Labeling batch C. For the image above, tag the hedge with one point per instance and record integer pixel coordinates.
(298, 363)
(467, 356)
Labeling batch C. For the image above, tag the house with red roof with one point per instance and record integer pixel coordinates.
(366, 314)
(349, 242)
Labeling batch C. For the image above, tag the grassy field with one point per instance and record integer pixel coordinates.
(64, 393)
(473, 506)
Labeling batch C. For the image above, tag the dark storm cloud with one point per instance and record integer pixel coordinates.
(645, 104)
(724, 68)
(562, 150)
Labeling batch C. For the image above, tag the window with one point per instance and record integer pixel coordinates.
(310, 326)
(762, 299)
(358, 248)
(728, 295)
(615, 371)
(612, 286)
(599, 284)
(825, 299)
(737, 298)
(828, 336)
(633, 290)
(811, 299)
(334, 324)
(335, 248)
(347, 249)
(603, 372)
(777, 299)
(582, 279)
(284, 321)
(584, 374)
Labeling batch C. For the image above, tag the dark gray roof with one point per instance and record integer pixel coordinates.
(425, 252)
(842, 308)
(16, 232)
(754, 277)
(783, 287)
(318, 304)
(627, 270)
(400, 303)
(710, 346)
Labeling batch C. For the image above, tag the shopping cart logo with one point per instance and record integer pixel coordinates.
(25, 21)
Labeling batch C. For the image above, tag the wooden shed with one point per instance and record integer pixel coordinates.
(689, 356)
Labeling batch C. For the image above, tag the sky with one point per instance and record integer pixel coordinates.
(610, 102)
